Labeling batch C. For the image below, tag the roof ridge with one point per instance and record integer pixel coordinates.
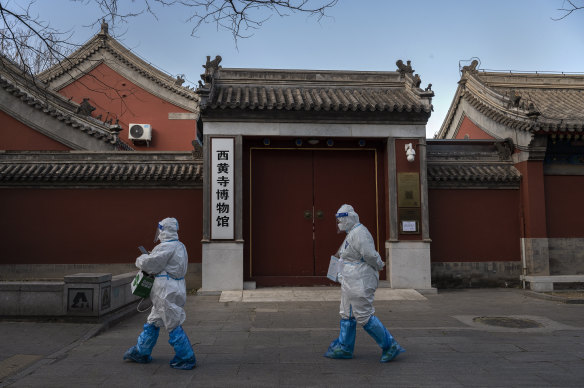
(125, 55)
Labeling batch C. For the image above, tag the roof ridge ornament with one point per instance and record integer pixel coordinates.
(85, 108)
(532, 111)
(104, 28)
(205, 88)
(417, 81)
(472, 68)
(404, 69)
(180, 79)
(505, 148)
(211, 67)
(514, 99)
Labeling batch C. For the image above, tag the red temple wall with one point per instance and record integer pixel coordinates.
(563, 203)
(533, 198)
(474, 225)
(473, 131)
(93, 226)
(17, 136)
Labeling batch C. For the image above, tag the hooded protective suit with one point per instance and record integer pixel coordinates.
(361, 266)
(168, 261)
(359, 278)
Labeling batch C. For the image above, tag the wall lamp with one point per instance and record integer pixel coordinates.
(410, 153)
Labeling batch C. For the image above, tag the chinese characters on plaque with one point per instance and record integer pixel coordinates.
(222, 192)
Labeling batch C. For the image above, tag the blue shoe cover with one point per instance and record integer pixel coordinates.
(390, 348)
(392, 352)
(343, 346)
(133, 354)
(146, 341)
(184, 356)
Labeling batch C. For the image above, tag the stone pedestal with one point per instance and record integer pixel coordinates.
(88, 294)
(222, 267)
(409, 265)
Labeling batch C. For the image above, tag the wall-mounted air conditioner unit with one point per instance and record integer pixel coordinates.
(140, 132)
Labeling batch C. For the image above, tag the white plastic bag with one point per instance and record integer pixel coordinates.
(335, 267)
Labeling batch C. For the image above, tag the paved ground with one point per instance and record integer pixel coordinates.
(259, 343)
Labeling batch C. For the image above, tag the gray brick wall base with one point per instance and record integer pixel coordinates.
(476, 274)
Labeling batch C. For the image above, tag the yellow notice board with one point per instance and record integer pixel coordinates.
(408, 189)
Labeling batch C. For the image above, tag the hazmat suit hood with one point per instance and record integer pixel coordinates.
(346, 218)
(167, 230)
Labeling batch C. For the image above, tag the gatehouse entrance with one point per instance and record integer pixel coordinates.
(304, 142)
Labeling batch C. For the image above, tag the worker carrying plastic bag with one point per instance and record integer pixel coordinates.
(359, 279)
(168, 260)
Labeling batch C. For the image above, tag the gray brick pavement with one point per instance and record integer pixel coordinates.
(281, 344)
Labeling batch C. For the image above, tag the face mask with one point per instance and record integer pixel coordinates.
(340, 218)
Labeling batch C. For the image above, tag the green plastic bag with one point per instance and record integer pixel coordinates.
(142, 284)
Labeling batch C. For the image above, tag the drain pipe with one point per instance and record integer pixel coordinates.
(523, 258)
(523, 263)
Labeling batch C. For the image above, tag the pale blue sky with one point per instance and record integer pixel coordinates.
(435, 35)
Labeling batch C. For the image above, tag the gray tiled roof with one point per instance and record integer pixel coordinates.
(534, 102)
(559, 109)
(471, 164)
(315, 91)
(473, 174)
(310, 98)
(89, 169)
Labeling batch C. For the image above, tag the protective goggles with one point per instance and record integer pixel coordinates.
(341, 215)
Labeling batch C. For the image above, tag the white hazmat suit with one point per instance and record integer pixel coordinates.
(168, 261)
(361, 265)
(359, 277)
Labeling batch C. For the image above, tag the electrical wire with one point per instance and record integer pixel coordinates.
(146, 309)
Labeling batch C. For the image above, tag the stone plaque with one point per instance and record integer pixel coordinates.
(106, 297)
(80, 300)
(409, 220)
(408, 189)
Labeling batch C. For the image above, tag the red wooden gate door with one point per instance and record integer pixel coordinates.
(342, 177)
(294, 197)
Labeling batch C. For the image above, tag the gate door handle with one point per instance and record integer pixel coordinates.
(308, 214)
(320, 214)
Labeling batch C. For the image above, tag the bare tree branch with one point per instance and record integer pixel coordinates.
(239, 16)
(569, 9)
(33, 45)
(28, 41)
(235, 16)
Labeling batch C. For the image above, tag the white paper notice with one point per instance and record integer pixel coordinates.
(409, 226)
